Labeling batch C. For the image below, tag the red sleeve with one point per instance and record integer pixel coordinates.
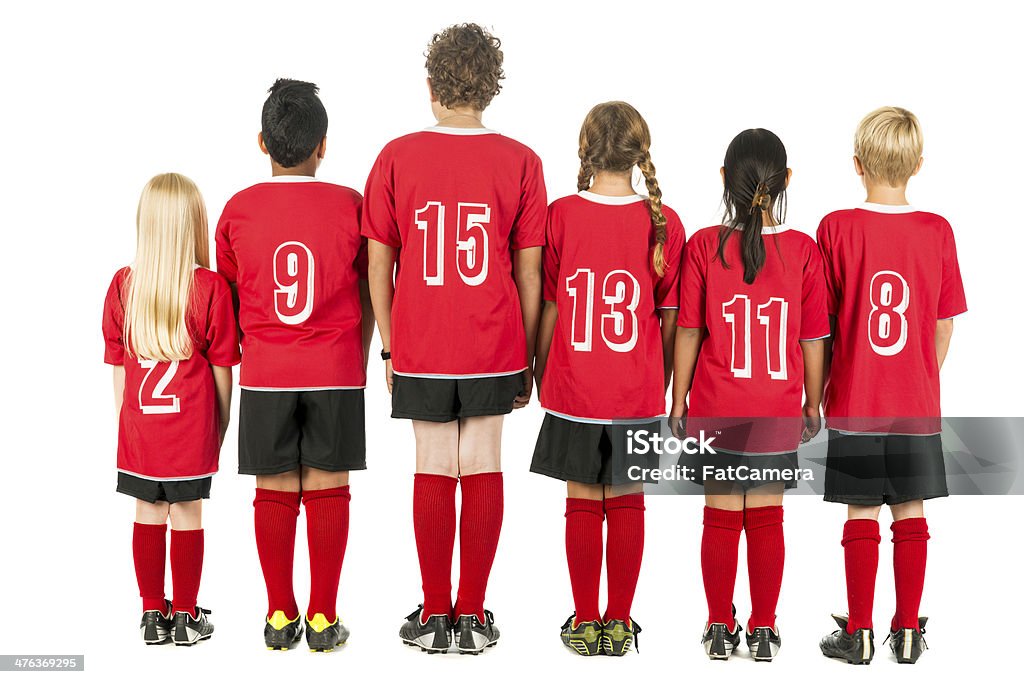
(952, 301)
(666, 291)
(113, 320)
(378, 220)
(221, 328)
(692, 287)
(833, 292)
(552, 258)
(227, 264)
(813, 310)
(528, 229)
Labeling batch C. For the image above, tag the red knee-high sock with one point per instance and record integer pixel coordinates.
(149, 548)
(186, 568)
(483, 505)
(327, 536)
(276, 514)
(433, 512)
(909, 557)
(766, 555)
(860, 547)
(719, 551)
(625, 552)
(584, 520)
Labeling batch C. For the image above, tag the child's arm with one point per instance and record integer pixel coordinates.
(381, 284)
(668, 340)
(118, 390)
(687, 347)
(827, 354)
(814, 385)
(943, 334)
(528, 282)
(222, 383)
(548, 319)
(367, 308)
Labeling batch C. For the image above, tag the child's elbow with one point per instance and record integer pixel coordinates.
(944, 328)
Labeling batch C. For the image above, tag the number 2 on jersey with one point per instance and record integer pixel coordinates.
(471, 242)
(156, 401)
(773, 316)
(293, 275)
(619, 326)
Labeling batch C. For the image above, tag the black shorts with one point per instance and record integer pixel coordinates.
(738, 473)
(171, 491)
(591, 453)
(442, 400)
(871, 470)
(280, 431)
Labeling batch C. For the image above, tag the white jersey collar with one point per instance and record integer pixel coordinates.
(610, 199)
(888, 208)
(291, 179)
(453, 130)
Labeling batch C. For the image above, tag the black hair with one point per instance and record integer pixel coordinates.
(755, 169)
(294, 121)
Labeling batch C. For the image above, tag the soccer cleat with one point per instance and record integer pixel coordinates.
(857, 648)
(432, 636)
(280, 633)
(472, 636)
(190, 630)
(156, 626)
(323, 636)
(618, 636)
(584, 638)
(908, 644)
(763, 643)
(719, 642)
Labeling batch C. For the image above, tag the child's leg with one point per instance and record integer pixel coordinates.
(719, 551)
(276, 511)
(433, 509)
(326, 498)
(860, 547)
(482, 509)
(766, 552)
(909, 557)
(584, 523)
(186, 554)
(149, 547)
(624, 508)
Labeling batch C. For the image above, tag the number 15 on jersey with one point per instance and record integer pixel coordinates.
(471, 241)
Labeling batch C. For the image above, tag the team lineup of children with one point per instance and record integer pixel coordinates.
(479, 289)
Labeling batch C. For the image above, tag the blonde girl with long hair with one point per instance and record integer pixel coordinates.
(604, 361)
(170, 334)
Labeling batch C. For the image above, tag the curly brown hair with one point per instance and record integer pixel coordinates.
(464, 66)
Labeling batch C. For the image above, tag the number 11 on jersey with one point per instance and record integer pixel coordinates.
(773, 316)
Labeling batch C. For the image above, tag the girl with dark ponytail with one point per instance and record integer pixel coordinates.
(604, 354)
(749, 369)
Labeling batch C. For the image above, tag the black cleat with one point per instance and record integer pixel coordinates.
(156, 626)
(857, 648)
(584, 638)
(618, 636)
(763, 643)
(323, 636)
(280, 633)
(719, 642)
(190, 630)
(472, 636)
(432, 636)
(908, 644)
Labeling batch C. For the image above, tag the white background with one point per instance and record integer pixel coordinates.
(97, 98)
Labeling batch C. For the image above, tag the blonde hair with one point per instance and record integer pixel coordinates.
(172, 240)
(888, 144)
(614, 137)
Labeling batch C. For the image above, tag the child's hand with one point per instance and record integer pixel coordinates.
(812, 423)
(523, 398)
(677, 421)
(389, 375)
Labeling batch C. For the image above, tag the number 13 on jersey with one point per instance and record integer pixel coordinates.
(471, 241)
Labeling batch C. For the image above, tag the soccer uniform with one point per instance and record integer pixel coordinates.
(892, 273)
(605, 373)
(291, 248)
(169, 430)
(748, 383)
(455, 203)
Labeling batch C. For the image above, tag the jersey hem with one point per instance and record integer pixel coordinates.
(466, 376)
(166, 479)
(300, 389)
(602, 421)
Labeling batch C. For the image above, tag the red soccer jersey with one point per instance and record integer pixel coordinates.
(169, 426)
(606, 358)
(456, 202)
(751, 362)
(892, 273)
(291, 246)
